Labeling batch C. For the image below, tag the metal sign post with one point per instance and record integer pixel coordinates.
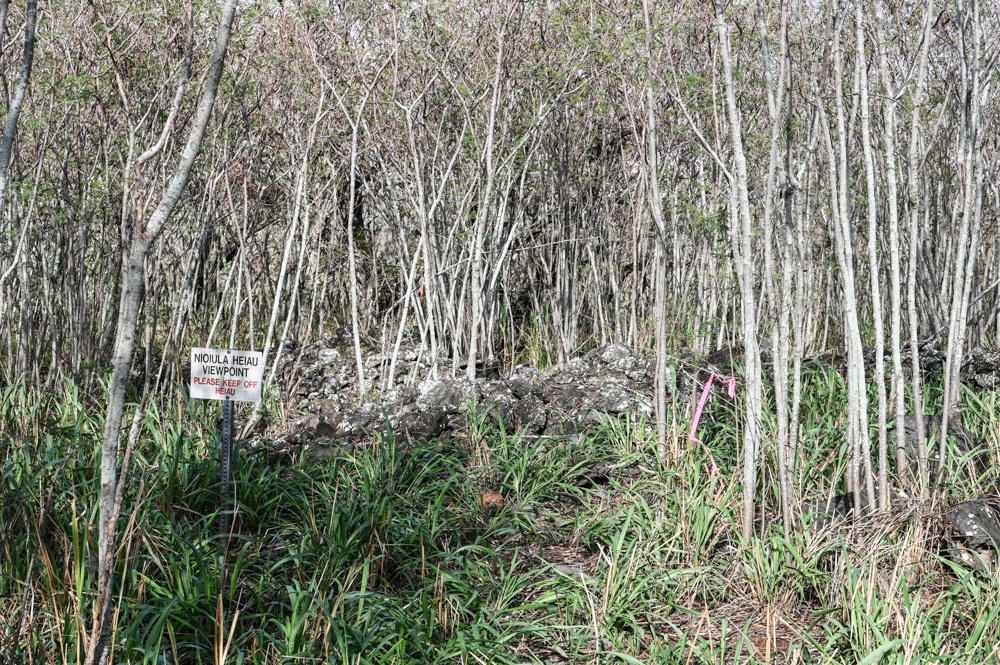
(226, 466)
(229, 376)
(227, 441)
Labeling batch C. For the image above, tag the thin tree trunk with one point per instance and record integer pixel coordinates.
(482, 214)
(21, 249)
(913, 193)
(787, 439)
(143, 237)
(974, 96)
(857, 427)
(742, 252)
(876, 293)
(17, 99)
(895, 281)
(656, 209)
(352, 174)
(779, 339)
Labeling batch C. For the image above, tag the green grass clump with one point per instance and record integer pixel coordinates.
(386, 552)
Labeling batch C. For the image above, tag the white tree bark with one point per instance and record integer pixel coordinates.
(17, 98)
(143, 237)
(656, 209)
(777, 97)
(6, 149)
(913, 195)
(895, 280)
(743, 253)
(873, 262)
(483, 213)
(974, 94)
(857, 405)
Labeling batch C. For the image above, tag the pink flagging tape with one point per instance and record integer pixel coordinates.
(731, 391)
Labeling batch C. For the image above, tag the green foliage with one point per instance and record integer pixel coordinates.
(386, 553)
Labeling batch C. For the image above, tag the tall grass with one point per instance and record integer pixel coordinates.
(384, 552)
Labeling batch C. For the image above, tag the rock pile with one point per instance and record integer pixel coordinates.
(321, 383)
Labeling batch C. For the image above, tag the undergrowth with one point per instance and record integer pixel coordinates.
(388, 552)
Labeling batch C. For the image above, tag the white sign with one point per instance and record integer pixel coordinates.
(225, 374)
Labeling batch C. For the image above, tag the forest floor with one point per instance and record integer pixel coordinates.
(482, 547)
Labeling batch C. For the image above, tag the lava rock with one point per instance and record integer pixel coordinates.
(823, 513)
(521, 386)
(973, 528)
(447, 395)
(612, 398)
(963, 450)
(323, 425)
(614, 354)
(528, 414)
(976, 523)
(981, 367)
(564, 399)
(416, 424)
(567, 400)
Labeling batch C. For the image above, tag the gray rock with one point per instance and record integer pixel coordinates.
(446, 394)
(521, 387)
(357, 422)
(982, 368)
(577, 366)
(824, 513)
(615, 353)
(416, 424)
(643, 405)
(400, 396)
(973, 528)
(526, 372)
(963, 450)
(323, 425)
(329, 356)
(989, 381)
(638, 373)
(567, 399)
(528, 414)
(573, 572)
(499, 406)
(612, 399)
(976, 523)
